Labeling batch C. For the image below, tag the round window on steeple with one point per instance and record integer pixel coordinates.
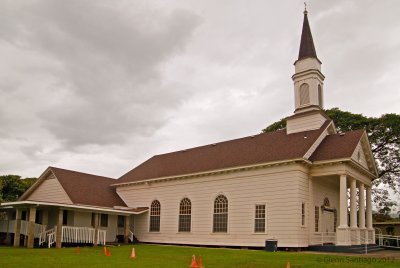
(304, 94)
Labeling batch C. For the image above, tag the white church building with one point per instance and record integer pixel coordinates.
(301, 186)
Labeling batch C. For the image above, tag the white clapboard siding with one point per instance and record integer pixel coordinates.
(304, 123)
(280, 188)
(50, 190)
(360, 151)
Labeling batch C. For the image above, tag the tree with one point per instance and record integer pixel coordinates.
(384, 136)
(12, 187)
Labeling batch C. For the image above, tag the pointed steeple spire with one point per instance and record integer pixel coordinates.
(307, 49)
(308, 79)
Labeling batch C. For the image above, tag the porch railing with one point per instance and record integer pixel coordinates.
(323, 238)
(39, 229)
(51, 237)
(70, 234)
(4, 226)
(44, 236)
(24, 228)
(8, 226)
(388, 241)
(77, 234)
(101, 237)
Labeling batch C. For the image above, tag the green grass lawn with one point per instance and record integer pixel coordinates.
(154, 256)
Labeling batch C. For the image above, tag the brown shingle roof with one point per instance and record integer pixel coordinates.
(307, 48)
(337, 146)
(87, 189)
(252, 150)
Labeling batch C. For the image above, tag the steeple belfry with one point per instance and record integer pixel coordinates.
(308, 85)
(308, 79)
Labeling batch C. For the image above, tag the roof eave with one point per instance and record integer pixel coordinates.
(365, 136)
(213, 172)
(349, 160)
(73, 206)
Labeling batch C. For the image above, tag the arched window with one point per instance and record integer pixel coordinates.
(304, 94)
(155, 212)
(320, 96)
(220, 220)
(185, 212)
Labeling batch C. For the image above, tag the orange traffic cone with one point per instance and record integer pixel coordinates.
(133, 254)
(200, 263)
(194, 264)
(108, 253)
(78, 250)
(105, 251)
(288, 265)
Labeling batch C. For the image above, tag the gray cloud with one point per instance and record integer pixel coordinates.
(99, 86)
(107, 77)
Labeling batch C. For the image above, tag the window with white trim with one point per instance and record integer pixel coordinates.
(259, 220)
(155, 213)
(303, 214)
(316, 225)
(185, 215)
(220, 217)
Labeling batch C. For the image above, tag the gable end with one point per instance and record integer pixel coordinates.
(49, 189)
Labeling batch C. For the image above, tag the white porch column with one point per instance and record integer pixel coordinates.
(369, 208)
(370, 229)
(59, 227)
(31, 227)
(96, 228)
(343, 202)
(126, 228)
(361, 206)
(343, 232)
(353, 204)
(17, 227)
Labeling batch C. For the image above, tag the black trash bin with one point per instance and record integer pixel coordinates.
(271, 245)
(120, 238)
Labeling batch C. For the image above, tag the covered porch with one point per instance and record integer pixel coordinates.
(31, 223)
(344, 217)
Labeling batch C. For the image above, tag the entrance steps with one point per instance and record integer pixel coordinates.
(356, 249)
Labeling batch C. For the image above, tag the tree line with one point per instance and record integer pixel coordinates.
(12, 187)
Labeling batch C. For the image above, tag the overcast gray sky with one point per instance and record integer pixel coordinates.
(100, 86)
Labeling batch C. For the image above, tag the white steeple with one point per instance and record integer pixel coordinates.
(308, 86)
